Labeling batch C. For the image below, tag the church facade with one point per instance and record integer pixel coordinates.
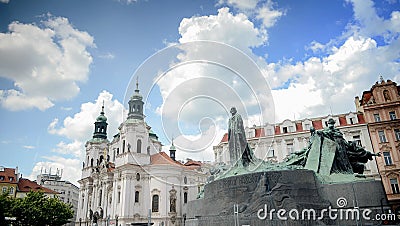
(130, 180)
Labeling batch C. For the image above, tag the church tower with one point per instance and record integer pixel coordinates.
(136, 105)
(100, 126)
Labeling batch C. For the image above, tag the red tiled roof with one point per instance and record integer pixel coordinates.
(259, 132)
(299, 127)
(225, 138)
(9, 176)
(26, 185)
(162, 158)
(317, 124)
(193, 163)
(365, 97)
(342, 121)
(361, 119)
(277, 130)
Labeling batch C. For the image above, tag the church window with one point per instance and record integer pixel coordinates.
(137, 176)
(139, 146)
(185, 197)
(91, 162)
(185, 180)
(100, 194)
(119, 197)
(154, 203)
(123, 146)
(136, 196)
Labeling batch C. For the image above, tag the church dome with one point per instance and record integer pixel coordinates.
(101, 117)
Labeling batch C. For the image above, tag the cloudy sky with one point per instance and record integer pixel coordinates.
(274, 60)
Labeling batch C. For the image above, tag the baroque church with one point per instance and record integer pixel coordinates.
(130, 181)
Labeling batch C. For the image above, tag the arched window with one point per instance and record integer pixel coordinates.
(91, 162)
(148, 150)
(154, 203)
(139, 146)
(136, 196)
(137, 176)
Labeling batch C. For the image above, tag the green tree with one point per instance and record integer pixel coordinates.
(5, 208)
(36, 209)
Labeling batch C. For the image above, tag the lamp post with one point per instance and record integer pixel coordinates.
(116, 219)
(80, 221)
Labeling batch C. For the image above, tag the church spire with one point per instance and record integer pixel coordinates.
(100, 126)
(136, 104)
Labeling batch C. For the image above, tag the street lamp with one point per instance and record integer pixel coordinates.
(116, 219)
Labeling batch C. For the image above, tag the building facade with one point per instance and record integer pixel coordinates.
(275, 142)
(67, 192)
(381, 107)
(9, 181)
(130, 180)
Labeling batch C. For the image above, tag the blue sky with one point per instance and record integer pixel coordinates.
(59, 60)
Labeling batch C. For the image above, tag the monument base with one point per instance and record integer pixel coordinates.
(287, 197)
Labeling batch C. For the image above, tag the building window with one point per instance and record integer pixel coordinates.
(1, 178)
(123, 146)
(289, 148)
(269, 132)
(4, 189)
(357, 140)
(388, 158)
(154, 203)
(271, 153)
(382, 136)
(392, 115)
(185, 197)
(185, 180)
(139, 146)
(136, 196)
(119, 197)
(285, 130)
(307, 126)
(11, 191)
(377, 118)
(137, 176)
(100, 194)
(397, 134)
(395, 186)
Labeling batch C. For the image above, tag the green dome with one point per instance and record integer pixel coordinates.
(101, 118)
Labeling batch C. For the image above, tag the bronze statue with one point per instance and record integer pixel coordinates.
(239, 150)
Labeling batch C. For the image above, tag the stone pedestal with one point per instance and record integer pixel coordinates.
(287, 197)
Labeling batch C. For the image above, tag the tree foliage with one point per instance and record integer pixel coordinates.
(39, 210)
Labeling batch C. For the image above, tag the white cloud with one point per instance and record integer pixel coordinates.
(371, 24)
(268, 15)
(240, 4)
(46, 63)
(70, 167)
(81, 125)
(5, 1)
(79, 128)
(28, 147)
(76, 148)
(236, 30)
